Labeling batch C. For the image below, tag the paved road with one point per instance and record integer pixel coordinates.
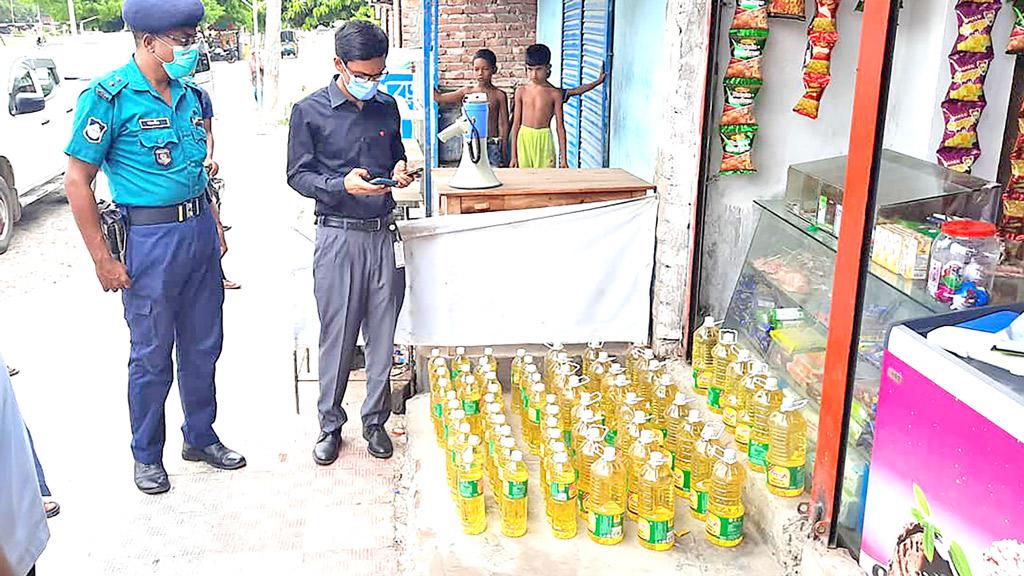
(282, 514)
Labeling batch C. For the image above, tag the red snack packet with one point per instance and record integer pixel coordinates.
(751, 15)
(795, 9)
(822, 36)
(1016, 43)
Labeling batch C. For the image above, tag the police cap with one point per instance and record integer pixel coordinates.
(156, 16)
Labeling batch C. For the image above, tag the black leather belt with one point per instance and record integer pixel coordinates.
(148, 216)
(371, 225)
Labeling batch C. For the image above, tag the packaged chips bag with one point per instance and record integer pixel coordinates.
(974, 25)
(795, 9)
(751, 15)
(737, 144)
(740, 94)
(967, 76)
(822, 36)
(961, 123)
(1016, 43)
(747, 53)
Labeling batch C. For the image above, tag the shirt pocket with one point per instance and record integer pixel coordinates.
(162, 145)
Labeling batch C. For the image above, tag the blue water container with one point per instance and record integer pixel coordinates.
(476, 112)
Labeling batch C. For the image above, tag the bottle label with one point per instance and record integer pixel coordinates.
(437, 410)
(471, 407)
(610, 437)
(563, 492)
(515, 490)
(469, 488)
(605, 526)
(699, 501)
(743, 433)
(695, 374)
(786, 477)
(679, 478)
(490, 448)
(727, 529)
(633, 503)
(535, 415)
(525, 399)
(729, 416)
(757, 453)
(446, 433)
(583, 499)
(685, 480)
(715, 397)
(672, 457)
(567, 437)
(655, 531)
(455, 460)
(455, 373)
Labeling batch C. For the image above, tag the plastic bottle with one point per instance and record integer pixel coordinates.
(451, 405)
(724, 524)
(524, 387)
(704, 341)
(471, 396)
(657, 504)
(486, 363)
(598, 369)
(736, 394)
(551, 359)
(492, 437)
(438, 398)
(644, 357)
(745, 404)
(765, 402)
(514, 479)
(471, 489)
(704, 457)
(607, 499)
(648, 379)
(588, 453)
(636, 458)
(787, 449)
(734, 373)
(456, 443)
(504, 452)
(551, 435)
(516, 372)
(675, 421)
(692, 430)
(661, 401)
(534, 411)
(590, 354)
(587, 401)
(458, 362)
(492, 386)
(724, 353)
(586, 421)
(633, 354)
(626, 438)
(623, 415)
(562, 496)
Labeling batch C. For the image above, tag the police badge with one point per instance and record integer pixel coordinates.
(163, 156)
(94, 130)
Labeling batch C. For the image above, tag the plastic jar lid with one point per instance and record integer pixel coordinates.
(969, 229)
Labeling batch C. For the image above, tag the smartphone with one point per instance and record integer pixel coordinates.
(384, 182)
(417, 172)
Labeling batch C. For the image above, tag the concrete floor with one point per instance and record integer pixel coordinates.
(439, 547)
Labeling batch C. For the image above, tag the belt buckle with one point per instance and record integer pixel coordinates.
(377, 226)
(189, 209)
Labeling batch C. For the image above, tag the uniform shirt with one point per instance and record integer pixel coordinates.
(152, 153)
(205, 103)
(24, 532)
(330, 136)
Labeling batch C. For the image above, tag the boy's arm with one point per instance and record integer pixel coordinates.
(504, 125)
(517, 121)
(449, 98)
(580, 90)
(560, 127)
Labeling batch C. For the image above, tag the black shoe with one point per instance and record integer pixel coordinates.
(12, 372)
(226, 227)
(151, 478)
(216, 455)
(378, 443)
(327, 447)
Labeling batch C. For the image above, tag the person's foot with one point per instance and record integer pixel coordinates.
(151, 478)
(12, 372)
(226, 227)
(229, 285)
(325, 452)
(216, 455)
(378, 443)
(51, 508)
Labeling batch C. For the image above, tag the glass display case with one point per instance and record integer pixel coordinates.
(780, 305)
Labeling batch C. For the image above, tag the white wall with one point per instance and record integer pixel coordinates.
(549, 31)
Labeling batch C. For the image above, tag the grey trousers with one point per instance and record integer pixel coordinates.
(356, 285)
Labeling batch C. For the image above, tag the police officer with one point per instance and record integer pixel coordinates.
(143, 125)
(341, 139)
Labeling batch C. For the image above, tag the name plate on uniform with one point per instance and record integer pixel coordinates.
(154, 123)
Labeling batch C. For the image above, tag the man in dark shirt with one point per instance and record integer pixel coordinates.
(341, 138)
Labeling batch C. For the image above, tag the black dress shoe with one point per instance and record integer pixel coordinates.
(151, 478)
(327, 447)
(216, 455)
(378, 443)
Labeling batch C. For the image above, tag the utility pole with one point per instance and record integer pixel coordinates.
(12, 12)
(272, 58)
(71, 15)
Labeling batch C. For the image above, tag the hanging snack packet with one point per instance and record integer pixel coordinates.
(751, 15)
(975, 20)
(794, 9)
(968, 71)
(961, 128)
(822, 36)
(737, 144)
(958, 159)
(747, 53)
(740, 94)
(1016, 43)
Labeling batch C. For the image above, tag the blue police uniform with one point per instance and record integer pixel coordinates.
(152, 154)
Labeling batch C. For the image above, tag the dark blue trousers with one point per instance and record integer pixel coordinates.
(175, 302)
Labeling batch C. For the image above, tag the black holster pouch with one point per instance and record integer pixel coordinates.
(114, 228)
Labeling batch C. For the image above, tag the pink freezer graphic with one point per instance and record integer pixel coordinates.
(967, 517)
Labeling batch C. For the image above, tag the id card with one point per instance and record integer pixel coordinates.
(399, 254)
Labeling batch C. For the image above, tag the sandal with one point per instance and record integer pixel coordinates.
(12, 372)
(229, 285)
(51, 508)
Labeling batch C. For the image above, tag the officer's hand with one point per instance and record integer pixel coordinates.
(401, 175)
(357, 183)
(212, 168)
(112, 275)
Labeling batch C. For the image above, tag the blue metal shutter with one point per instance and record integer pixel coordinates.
(597, 40)
(572, 69)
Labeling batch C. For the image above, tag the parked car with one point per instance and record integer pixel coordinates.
(289, 44)
(33, 132)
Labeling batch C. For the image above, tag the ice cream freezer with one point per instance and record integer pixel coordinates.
(945, 495)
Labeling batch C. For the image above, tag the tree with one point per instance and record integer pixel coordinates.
(219, 13)
(311, 14)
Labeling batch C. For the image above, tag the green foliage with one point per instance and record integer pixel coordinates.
(923, 517)
(108, 12)
(312, 14)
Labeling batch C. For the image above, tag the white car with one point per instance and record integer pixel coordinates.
(33, 132)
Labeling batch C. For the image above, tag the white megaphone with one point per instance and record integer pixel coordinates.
(474, 172)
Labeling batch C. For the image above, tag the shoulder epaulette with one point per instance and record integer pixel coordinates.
(109, 87)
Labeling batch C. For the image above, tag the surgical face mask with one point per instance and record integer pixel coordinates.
(184, 62)
(361, 88)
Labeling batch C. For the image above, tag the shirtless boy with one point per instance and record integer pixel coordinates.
(485, 65)
(535, 104)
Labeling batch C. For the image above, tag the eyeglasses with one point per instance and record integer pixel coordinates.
(189, 42)
(367, 77)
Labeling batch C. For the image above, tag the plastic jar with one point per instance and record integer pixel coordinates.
(963, 263)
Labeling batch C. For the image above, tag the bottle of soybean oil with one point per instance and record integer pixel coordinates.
(631, 434)
(534, 414)
(516, 372)
(745, 404)
(457, 440)
(590, 354)
(704, 341)
(471, 489)
(514, 478)
(623, 415)
(524, 386)
(692, 430)
(615, 389)
(787, 449)
(486, 363)
(656, 525)
(472, 394)
(586, 421)
(635, 460)
(724, 524)
(649, 379)
(675, 420)
(765, 402)
(608, 498)
(588, 453)
(458, 362)
(705, 453)
(504, 455)
(661, 401)
(562, 497)
(551, 435)
(644, 357)
(725, 353)
(438, 398)
(734, 373)
(551, 359)
(546, 464)
(598, 369)
(736, 395)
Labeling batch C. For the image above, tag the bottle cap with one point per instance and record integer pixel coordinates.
(474, 440)
(657, 458)
(665, 380)
(470, 379)
(648, 354)
(615, 367)
(538, 387)
(460, 350)
(494, 388)
(435, 352)
(727, 336)
(552, 422)
(771, 383)
(694, 416)
(653, 365)
(556, 346)
(563, 369)
(560, 457)
(553, 433)
(465, 428)
(557, 447)
(520, 352)
(587, 415)
(488, 351)
(459, 414)
(602, 356)
(508, 442)
(647, 436)
(535, 377)
(594, 433)
(517, 456)
(585, 398)
(609, 453)
(551, 400)
(574, 381)
(594, 344)
(743, 355)
(729, 457)
(639, 417)
(712, 431)
(563, 356)
(528, 359)
(792, 403)
(632, 398)
(467, 456)
(505, 430)
(443, 381)
(499, 419)
(680, 399)
(441, 371)
(488, 398)
(709, 321)
(551, 409)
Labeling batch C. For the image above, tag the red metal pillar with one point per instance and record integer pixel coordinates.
(870, 99)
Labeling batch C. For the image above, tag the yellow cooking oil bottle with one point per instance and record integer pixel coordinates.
(724, 524)
(633, 355)
(438, 399)
(734, 373)
(587, 401)
(787, 449)
(524, 391)
(643, 358)
(675, 420)
(635, 460)
(607, 500)
(590, 354)
(548, 450)
(551, 435)
(588, 453)
(471, 488)
(745, 404)
(456, 444)
(619, 420)
(615, 398)
(704, 341)
(551, 359)
(598, 368)
(534, 415)
(656, 524)
(513, 481)
(562, 496)
(765, 402)
(516, 373)
(723, 354)
(487, 362)
(585, 422)
(648, 379)
(631, 434)
(705, 454)
(661, 401)
(503, 452)
(458, 362)
(472, 395)
(738, 399)
(689, 437)
(492, 439)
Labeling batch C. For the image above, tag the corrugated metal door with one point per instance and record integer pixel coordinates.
(572, 70)
(597, 45)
